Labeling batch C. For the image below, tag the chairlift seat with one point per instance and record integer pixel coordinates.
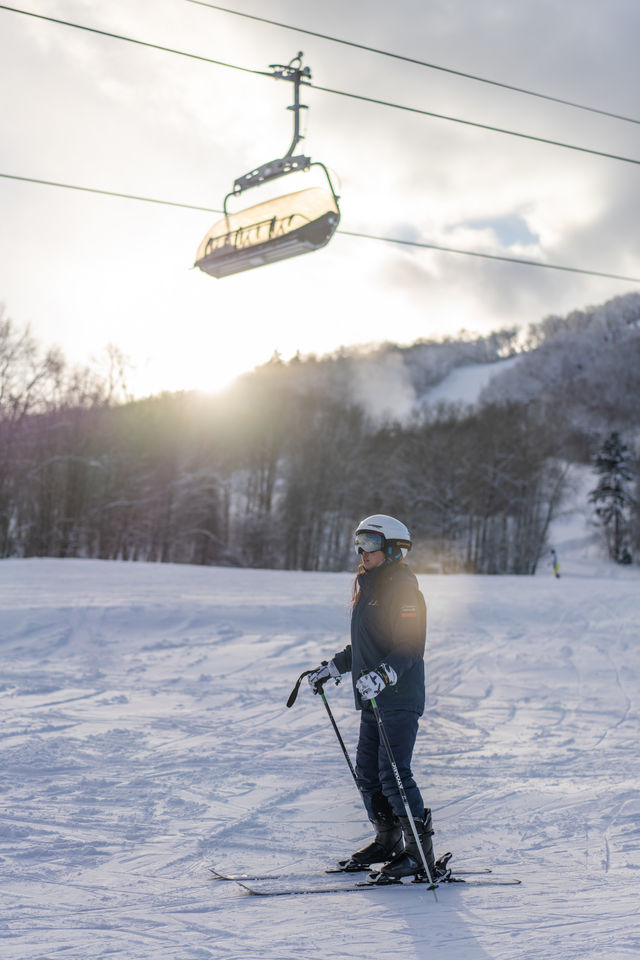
(276, 229)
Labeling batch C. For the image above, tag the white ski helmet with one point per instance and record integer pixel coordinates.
(388, 534)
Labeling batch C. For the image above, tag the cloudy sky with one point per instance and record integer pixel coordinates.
(85, 270)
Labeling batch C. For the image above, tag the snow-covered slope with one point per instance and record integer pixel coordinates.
(574, 534)
(145, 736)
(465, 384)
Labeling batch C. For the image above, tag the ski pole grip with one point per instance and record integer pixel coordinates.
(293, 696)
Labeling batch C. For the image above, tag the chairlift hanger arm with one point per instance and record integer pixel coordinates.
(298, 75)
(295, 74)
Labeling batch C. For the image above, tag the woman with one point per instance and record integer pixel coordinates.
(386, 661)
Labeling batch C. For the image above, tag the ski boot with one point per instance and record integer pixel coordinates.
(387, 843)
(408, 862)
(442, 868)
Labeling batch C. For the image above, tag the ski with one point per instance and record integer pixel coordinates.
(441, 865)
(238, 877)
(309, 888)
(218, 875)
(457, 871)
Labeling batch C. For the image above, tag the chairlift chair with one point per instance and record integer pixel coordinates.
(275, 229)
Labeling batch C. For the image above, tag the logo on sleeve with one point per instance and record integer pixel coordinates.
(408, 610)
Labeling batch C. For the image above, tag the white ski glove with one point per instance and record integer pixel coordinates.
(321, 674)
(370, 684)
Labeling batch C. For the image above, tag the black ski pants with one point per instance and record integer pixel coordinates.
(373, 770)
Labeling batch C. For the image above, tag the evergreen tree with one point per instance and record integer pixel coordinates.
(613, 495)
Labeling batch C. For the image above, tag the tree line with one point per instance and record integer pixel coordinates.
(274, 472)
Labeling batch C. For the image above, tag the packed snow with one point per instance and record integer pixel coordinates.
(145, 737)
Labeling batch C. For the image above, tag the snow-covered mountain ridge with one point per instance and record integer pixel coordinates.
(587, 363)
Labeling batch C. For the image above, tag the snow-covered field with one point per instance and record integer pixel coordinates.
(145, 736)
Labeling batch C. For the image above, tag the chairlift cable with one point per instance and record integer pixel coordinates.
(342, 93)
(109, 193)
(416, 62)
(473, 123)
(141, 43)
(348, 233)
(486, 256)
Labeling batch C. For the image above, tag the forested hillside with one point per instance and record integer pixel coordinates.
(275, 471)
(586, 365)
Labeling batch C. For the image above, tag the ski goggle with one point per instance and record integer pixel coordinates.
(368, 542)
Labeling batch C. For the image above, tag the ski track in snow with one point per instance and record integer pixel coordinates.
(145, 737)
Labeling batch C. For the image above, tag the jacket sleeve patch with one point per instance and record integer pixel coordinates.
(408, 610)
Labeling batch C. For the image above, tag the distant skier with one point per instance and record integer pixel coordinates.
(555, 564)
(386, 661)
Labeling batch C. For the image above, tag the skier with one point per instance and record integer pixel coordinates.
(555, 564)
(386, 661)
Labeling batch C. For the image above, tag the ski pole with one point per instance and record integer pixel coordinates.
(292, 699)
(396, 773)
(340, 740)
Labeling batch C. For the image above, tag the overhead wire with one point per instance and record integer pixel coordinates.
(141, 43)
(480, 126)
(487, 256)
(355, 234)
(415, 61)
(346, 233)
(108, 193)
(342, 93)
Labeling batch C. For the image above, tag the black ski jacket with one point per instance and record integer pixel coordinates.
(389, 625)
